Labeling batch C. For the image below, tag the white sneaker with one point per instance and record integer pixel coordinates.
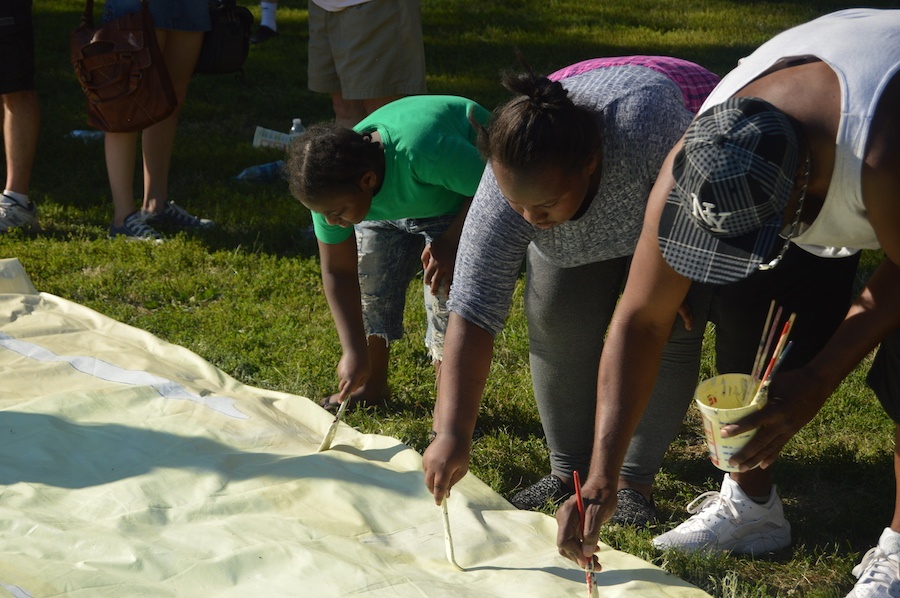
(730, 521)
(15, 215)
(878, 575)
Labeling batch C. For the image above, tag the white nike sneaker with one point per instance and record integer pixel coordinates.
(878, 575)
(15, 215)
(730, 521)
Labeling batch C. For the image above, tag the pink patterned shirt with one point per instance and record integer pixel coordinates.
(694, 81)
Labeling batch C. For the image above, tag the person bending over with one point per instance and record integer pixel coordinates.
(797, 149)
(388, 196)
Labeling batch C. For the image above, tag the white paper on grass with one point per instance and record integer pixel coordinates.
(132, 467)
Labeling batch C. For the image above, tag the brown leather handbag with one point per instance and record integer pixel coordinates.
(122, 72)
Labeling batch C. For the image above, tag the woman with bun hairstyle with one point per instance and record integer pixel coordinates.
(571, 160)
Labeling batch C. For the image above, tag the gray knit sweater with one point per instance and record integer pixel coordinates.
(640, 114)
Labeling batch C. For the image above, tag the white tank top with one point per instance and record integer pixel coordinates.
(862, 46)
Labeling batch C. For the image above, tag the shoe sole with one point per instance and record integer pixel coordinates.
(762, 545)
(131, 239)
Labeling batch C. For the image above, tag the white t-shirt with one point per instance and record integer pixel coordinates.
(862, 46)
(337, 5)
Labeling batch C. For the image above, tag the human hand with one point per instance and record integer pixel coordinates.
(353, 371)
(445, 461)
(439, 259)
(577, 542)
(794, 398)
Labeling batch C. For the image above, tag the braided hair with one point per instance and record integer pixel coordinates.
(327, 159)
(538, 127)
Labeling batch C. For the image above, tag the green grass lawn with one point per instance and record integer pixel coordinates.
(247, 295)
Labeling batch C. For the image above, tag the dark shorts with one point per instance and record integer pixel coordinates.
(819, 290)
(884, 375)
(16, 46)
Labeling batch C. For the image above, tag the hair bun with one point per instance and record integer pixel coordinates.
(539, 126)
(545, 93)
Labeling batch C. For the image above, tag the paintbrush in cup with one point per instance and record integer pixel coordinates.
(762, 353)
(777, 358)
(758, 361)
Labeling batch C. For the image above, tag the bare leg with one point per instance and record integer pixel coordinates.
(350, 112)
(370, 105)
(180, 50)
(121, 150)
(21, 124)
(756, 482)
(347, 112)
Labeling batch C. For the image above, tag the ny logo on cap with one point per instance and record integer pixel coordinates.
(704, 213)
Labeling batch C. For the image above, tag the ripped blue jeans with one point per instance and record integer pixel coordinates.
(389, 257)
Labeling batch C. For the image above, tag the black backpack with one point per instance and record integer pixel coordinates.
(226, 45)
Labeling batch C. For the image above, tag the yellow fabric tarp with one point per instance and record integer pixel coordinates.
(132, 467)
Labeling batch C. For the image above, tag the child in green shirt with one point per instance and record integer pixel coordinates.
(388, 196)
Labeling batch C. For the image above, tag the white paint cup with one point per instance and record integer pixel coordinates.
(724, 400)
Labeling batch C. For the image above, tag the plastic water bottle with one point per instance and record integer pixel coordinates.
(261, 173)
(297, 128)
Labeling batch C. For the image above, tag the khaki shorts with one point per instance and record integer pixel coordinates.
(370, 50)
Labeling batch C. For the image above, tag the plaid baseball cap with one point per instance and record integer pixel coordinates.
(733, 179)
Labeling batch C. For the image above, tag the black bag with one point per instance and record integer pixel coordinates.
(122, 72)
(226, 45)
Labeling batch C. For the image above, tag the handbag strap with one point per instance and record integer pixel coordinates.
(87, 17)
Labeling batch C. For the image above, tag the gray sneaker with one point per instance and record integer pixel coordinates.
(547, 489)
(15, 215)
(176, 216)
(633, 509)
(135, 228)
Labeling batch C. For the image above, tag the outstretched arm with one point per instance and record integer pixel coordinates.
(468, 350)
(631, 356)
(341, 283)
(492, 246)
